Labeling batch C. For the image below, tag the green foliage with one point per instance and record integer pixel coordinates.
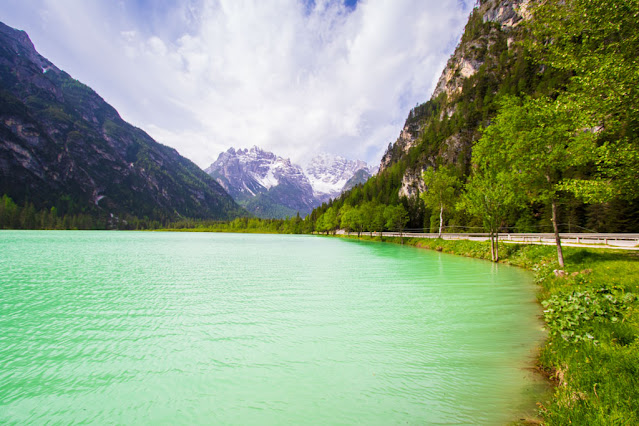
(65, 216)
(530, 148)
(490, 196)
(328, 221)
(574, 315)
(536, 142)
(291, 225)
(351, 219)
(396, 218)
(597, 41)
(442, 185)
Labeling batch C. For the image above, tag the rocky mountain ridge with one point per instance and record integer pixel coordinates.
(272, 186)
(63, 146)
(502, 19)
(330, 174)
(488, 65)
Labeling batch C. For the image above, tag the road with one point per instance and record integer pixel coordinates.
(616, 241)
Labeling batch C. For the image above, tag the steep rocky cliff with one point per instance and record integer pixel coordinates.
(488, 63)
(63, 146)
(267, 185)
(270, 186)
(473, 75)
(330, 175)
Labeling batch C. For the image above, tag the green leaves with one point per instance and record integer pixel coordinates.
(573, 316)
(396, 217)
(597, 41)
(535, 141)
(442, 185)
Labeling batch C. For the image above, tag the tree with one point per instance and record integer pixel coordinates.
(331, 220)
(533, 144)
(321, 224)
(490, 196)
(442, 184)
(351, 219)
(598, 42)
(378, 220)
(367, 212)
(396, 218)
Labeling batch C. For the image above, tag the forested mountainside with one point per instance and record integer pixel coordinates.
(509, 54)
(67, 157)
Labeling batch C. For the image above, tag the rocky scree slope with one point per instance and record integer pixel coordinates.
(267, 185)
(62, 145)
(331, 175)
(271, 186)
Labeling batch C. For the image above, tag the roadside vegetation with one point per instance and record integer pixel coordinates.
(544, 137)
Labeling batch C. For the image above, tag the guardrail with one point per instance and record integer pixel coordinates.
(618, 239)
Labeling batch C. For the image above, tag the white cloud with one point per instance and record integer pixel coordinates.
(203, 76)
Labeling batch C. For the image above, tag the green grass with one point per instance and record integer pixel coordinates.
(592, 316)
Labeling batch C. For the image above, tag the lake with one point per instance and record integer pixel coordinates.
(191, 328)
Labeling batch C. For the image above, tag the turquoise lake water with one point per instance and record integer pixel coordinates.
(203, 328)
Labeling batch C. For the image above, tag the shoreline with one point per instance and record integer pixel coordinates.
(537, 377)
(591, 313)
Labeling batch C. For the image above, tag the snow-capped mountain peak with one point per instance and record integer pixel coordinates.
(328, 174)
(259, 179)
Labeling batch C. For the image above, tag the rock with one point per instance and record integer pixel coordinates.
(273, 187)
(62, 145)
(330, 175)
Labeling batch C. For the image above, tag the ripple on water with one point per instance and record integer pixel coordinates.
(210, 328)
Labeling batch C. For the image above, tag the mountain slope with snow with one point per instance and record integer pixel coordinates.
(329, 174)
(266, 184)
(270, 186)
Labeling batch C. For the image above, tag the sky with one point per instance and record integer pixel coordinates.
(295, 77)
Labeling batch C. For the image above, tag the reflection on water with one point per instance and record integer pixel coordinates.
(133, 327)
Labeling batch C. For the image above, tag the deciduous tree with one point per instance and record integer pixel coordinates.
(442, 186)
(533, 143)
(597, 41)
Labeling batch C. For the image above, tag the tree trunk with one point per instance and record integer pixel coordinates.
(441, 218)
(497, 247)
(492, 246)
(560, 253)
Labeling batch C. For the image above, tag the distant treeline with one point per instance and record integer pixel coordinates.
(26, 216)
(293, 225)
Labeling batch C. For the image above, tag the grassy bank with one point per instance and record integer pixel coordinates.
(592, 315)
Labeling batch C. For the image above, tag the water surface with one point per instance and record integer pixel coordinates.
(131, 327)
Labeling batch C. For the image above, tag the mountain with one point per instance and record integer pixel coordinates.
(490, 63)
(484, 65)
(270, 186)
(63, 146)
(487, 63)
(265, 184)
(359, 178)
(331, 175)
